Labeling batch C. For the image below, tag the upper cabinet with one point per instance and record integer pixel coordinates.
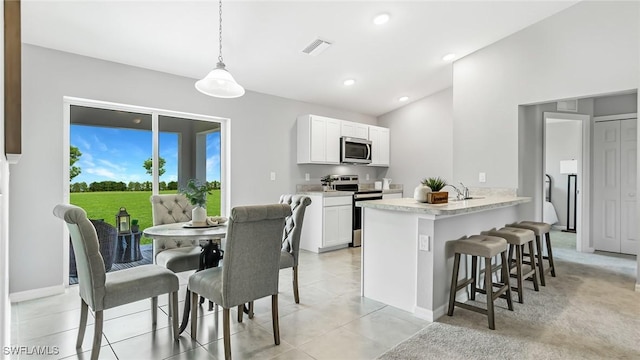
(379, 137)
(318, 140)
(354, 129)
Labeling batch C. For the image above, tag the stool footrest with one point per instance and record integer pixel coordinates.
(472, 308)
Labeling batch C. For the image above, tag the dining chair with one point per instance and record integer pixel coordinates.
(291, 236)
(176, 255)
(100, 290)
(250, 269)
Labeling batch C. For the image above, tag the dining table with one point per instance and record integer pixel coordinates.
(187, 231)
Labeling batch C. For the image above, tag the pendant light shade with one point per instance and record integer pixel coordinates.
(220, 83)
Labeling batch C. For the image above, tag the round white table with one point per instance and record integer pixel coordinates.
(178, 230)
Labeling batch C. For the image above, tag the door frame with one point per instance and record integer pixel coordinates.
(583, 199)
(225, 153)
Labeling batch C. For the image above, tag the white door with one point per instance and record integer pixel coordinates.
(606, 186)
(628, 174)
(615, 172)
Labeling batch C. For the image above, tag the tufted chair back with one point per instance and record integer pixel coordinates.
(169, 209)
(293, 224)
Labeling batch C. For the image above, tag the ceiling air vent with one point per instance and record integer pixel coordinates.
(316, 47)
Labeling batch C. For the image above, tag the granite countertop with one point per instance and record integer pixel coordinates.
(392, 191)
(451, 208)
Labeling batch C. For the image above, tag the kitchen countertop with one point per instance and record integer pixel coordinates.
(392, 191)
(330, 193)
(453, 207)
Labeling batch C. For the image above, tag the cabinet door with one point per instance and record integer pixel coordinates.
(332, 141)
(628, 174)
(318, 139)
(379, 146)
(354, 129)
(362, 131)
(337, 225)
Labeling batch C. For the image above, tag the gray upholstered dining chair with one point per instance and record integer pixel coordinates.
(176, 255)
(250, 269)
(100, 290)
(291, 236)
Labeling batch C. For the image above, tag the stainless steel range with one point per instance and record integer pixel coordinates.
(350, 183)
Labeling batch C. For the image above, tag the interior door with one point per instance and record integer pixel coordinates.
(606, 186)
(628, 179)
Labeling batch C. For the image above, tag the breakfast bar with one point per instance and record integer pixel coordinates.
(406, 262)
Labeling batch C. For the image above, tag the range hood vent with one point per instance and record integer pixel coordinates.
(316, 47)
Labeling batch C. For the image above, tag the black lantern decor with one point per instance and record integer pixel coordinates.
(123, 221)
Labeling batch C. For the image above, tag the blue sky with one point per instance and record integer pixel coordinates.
(118, 154)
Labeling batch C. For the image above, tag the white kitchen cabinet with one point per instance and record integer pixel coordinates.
(392, 196)
(327, 223)
(354, 129)
(318, 140)
(379, 137)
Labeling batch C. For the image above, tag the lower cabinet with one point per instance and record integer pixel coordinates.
(327, 223)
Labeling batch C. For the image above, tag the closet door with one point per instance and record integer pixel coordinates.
(628, 174)
(606, 186)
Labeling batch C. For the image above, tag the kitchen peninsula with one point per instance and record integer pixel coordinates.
(406, 262)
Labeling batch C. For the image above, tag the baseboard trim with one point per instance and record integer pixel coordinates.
(637, 287)
(36, 293)
(429, 315)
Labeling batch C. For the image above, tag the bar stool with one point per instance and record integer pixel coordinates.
(517, 238)
(540, 229)
(486, 247)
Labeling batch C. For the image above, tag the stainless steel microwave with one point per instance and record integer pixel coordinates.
(355, 150)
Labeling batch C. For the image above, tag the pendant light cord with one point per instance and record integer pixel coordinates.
(220, 32)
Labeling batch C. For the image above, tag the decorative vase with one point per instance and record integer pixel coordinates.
(420, 193)
(199, 216)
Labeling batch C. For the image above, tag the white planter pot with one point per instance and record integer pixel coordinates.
(420, 193)
(199, 216)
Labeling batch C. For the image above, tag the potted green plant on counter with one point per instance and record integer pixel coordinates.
(196, 192)
(436, 196)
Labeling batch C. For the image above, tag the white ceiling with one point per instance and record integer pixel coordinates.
(263, 41)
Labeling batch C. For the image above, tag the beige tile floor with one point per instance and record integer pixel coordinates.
(332, 321)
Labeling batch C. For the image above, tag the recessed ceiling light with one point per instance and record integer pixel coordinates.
(403, 98)
(381, 19)
(349, 82)
(449, 57)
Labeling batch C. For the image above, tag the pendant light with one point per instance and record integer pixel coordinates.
(219, 82)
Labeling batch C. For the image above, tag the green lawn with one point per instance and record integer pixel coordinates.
(105, 205)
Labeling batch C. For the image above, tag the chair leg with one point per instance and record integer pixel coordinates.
(474, 276)
(194, 315)
(536, 274)
(519, 272)
(551, 264)
(489, 288)
(97, 335)
(250, 309)
(240, 312)
(226, 333)
(454, 284)
(274, 319)
(173, 301)
(296, 296)
(154, 311)
(540, 262)
(506, 281)
(84, 310)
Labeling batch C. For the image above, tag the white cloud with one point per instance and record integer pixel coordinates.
(213, 162)
(84, 144)
(99, 144)
(111, 165)
(102, 172)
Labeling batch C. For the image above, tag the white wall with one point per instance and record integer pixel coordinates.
(563, 142)
(567, 55)
(421, 140)
(262, 140)
(618, 104)
(5, 305)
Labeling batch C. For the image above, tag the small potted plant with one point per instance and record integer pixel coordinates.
(134, 226)
(436, 196)
(326, 182)
(196, 192)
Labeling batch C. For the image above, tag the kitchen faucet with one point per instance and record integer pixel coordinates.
(461, 194)
(465, 191)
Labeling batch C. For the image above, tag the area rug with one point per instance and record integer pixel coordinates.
(589, 311)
